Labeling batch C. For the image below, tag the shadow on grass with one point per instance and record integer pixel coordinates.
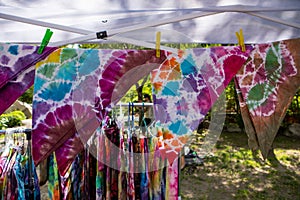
(234, 173)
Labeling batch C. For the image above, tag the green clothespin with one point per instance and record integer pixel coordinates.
(45, 40)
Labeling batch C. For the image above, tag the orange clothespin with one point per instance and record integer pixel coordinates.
(157, 46)
(240, 38)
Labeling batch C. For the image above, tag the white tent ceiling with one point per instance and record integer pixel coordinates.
(179, 21)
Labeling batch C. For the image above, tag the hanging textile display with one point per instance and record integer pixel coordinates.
(139, 172)
(186, 86)
(17, 179)
(17, 71)
(113, 174)
(267, 84)
(71, 82)
(72, 184)
(71, 74)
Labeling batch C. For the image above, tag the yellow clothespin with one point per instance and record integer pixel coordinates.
(157, 46)
(240, 38)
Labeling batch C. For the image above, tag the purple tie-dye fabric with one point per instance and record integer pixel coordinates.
(17, 71)
(186, 86)
(74, 89)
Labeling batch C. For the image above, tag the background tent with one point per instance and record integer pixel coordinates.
(261, 21)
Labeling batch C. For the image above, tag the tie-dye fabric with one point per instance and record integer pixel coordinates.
(14, 180)
(155, 176)
(17, 71)
(186, 86)
(65, 185)
(192, 80)
(267, 83)
(152, 180)
(74, 87)
(19, 174)
(130, 178)
(35, 192)
(53, 179)
(77, 176)
(172, 181)
(144, 186)
(100, 176)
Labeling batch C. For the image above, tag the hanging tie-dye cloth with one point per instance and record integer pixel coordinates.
(17, 71)
(268, 83)
(74, 89)
(186, 86)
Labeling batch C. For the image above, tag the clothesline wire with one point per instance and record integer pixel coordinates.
(135, 104)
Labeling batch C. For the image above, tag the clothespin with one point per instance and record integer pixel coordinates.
(45, 40)
(157, 46)
(240, 38)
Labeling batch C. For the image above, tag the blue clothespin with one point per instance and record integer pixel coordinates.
(45, 41)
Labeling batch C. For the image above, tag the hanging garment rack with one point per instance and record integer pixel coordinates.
(30, 186)
(120, 105)
(179, 158)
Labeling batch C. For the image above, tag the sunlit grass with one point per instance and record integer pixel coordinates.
(234, 173)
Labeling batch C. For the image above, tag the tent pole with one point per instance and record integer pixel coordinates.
(44, 24)
(82, 32)
(167, 21)
(135, 27)
(90, 35)
(277, 20)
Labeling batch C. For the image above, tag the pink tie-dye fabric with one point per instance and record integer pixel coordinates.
(186, 86)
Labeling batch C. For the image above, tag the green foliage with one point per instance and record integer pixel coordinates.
(147, 89)
(293, 112)
(110, 46)
(232, 107)
(242, 193)
(131, 95)
(3, 122)
(18, 114)
(11, 119)
(181, 46)
(27, 96)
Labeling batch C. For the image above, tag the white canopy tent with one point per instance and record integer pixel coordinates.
(135, 21)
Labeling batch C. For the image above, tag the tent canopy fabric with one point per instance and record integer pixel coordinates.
(208, 21)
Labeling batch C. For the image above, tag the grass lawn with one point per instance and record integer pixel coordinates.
(233, 173)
